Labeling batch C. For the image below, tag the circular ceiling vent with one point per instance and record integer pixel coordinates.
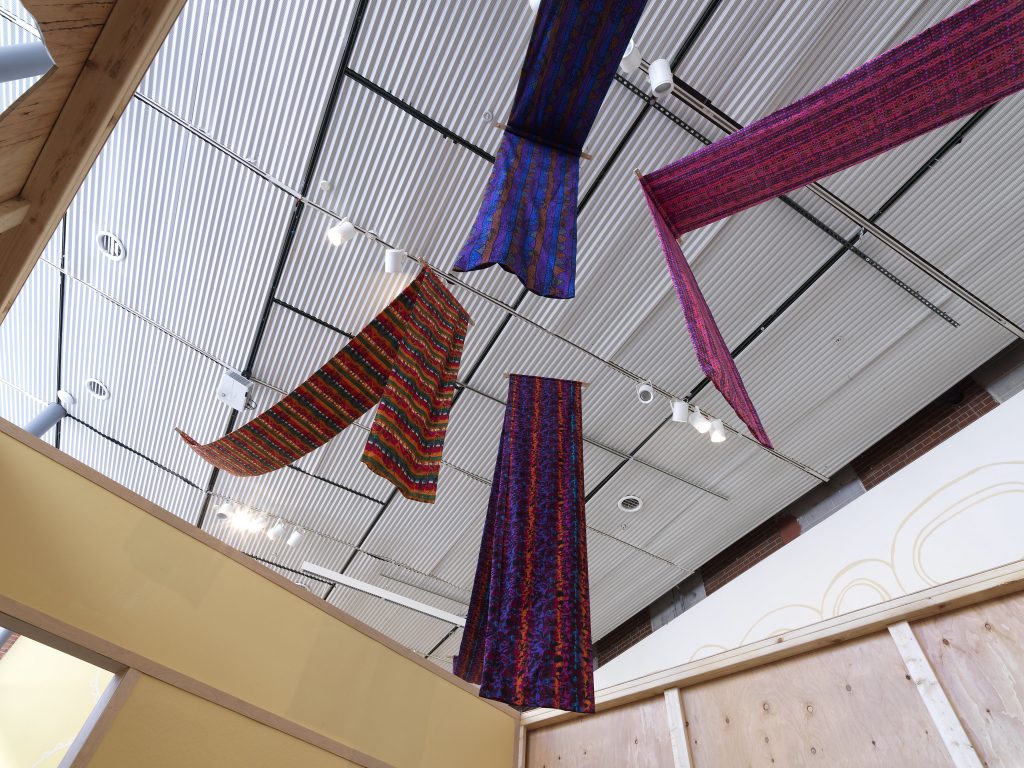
(630, 503)
(97, 389)
(110, 245)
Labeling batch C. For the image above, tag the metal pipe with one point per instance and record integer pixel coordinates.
(46, 419)
(706, 109)
(18, 62)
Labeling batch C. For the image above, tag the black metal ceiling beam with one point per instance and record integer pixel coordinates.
(61, 299)
(293, 224)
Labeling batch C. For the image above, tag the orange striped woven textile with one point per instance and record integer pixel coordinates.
(407, 359)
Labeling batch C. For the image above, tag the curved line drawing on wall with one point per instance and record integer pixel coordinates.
(971, 491)
(714, 648)
(799, 615)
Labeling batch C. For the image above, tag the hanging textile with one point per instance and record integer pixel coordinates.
(407, 358)
(527, 636)
(957, 67)
(527, 220)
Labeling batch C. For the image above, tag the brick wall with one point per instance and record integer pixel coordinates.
(938, 420)
(626, 635)
(768, 537)
(7, 645)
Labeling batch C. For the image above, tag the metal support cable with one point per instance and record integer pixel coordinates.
(703, 106)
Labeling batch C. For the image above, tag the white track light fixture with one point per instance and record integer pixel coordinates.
(341, 232)
(631, 58)
(645, 392)
(276, 530)
(394, 260)
(534, 5)
(222, 511)
(680, 411)
(293, 538)
(699, 421)
(661, 77)
(717, 431)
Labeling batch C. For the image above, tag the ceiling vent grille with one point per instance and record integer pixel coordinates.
(630, 503)
(97, 389)
(110, 245)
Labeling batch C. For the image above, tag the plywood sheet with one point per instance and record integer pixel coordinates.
(978, 657)
(851, 705)
(634, 735)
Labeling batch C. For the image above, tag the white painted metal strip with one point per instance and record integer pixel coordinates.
(959, 746)
(384, 594)
(677, 729)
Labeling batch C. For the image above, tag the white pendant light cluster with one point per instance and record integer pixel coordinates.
(244, 519)
(683, 413)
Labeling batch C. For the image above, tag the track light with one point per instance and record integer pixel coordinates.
(534, 5)
(222, 511)
(717, 431)
(631, 58)
(341, 232)
(394, 260)
(245, 520)
(293, 538)
(680, 411)
(660, 73)
(644, 392)
(699, 421)
(276, 530)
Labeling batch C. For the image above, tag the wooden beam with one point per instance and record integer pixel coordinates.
(969, 590)
(948, 725)
(677, 729)
(126, 45)
(12, 213)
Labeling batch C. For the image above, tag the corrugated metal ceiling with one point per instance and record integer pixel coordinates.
(851, 356)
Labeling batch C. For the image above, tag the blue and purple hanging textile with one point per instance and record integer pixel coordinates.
(527, 220)
(527, 637)
(963, 64)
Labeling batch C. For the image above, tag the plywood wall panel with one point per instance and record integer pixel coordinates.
(978, 657)
(850, 705)
(634, 735)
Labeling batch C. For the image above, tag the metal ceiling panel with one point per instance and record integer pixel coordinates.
(255, 76)
(28, 337)
(19, 408)
(444, 654)
(135, 473)
(416, 631)
(13, 34)
(154, 383)
(201, 234)
(309, 583)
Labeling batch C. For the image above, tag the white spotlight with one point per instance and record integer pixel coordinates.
(341, 232)
(293, 538)
(222, 511)
(660, 74)
(276, 530)
(699, 421)
(534, 5)
(631, 58)
(680, 411)
(717, 431)
(644, 392)
(394, 260)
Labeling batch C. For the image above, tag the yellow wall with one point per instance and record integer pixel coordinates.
(161, 726)
(85, 556)
(45, 698)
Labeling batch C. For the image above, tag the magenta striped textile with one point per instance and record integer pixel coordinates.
(527, 637)
(712, 352)
(527, 218)
(967, 62)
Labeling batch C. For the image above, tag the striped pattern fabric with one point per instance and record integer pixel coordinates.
(527, 637)
(527, 220)
(407, 359)
(712, 352)
(967, 62)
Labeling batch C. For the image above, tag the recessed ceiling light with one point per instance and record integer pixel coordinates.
(97, 389)
(630, 503)
(110, 245)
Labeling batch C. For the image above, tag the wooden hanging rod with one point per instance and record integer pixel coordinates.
(503, 126)
(506, 374)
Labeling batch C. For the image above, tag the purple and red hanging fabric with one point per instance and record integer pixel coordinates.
(967, 62)
(407, 358)
(527, 637)
(527, 220)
